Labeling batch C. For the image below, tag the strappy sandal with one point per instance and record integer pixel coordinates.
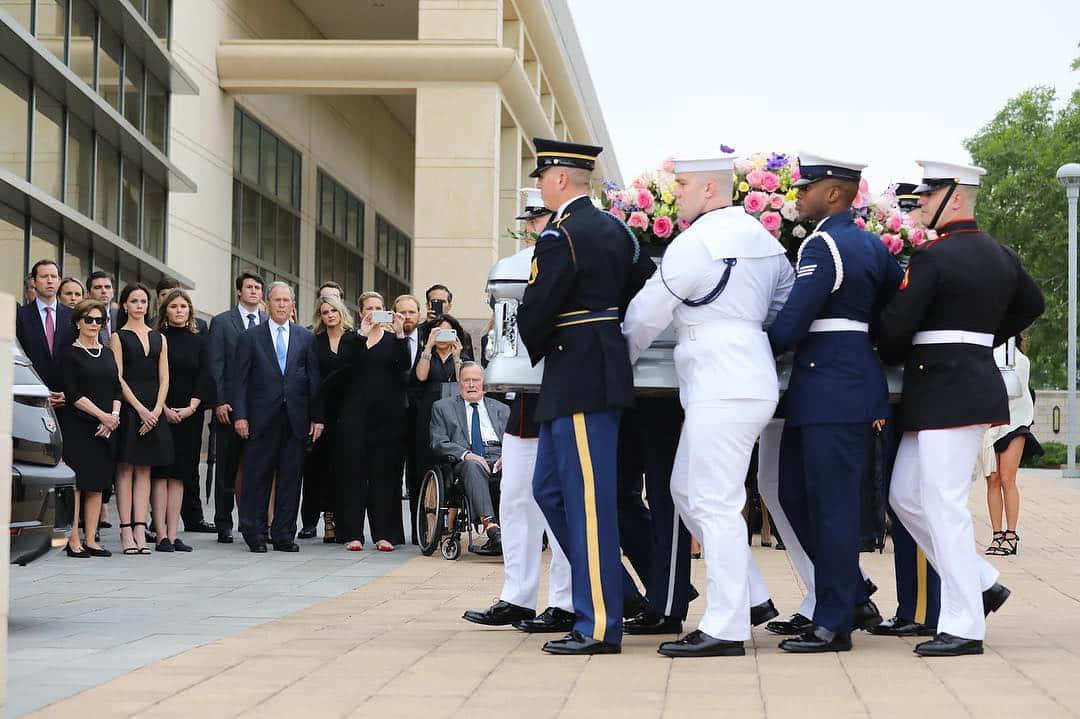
(1009, 544)
(329, 529)
(996, 547)
(141, 550)
(128, 550)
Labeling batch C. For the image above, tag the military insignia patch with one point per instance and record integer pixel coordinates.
(903, 282)
(533, 271)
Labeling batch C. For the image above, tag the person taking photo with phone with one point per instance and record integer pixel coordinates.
(436, 368)
(440, 302)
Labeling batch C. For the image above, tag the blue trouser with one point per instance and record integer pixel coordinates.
(821, 477)
(575, 485)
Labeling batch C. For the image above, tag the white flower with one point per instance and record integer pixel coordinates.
(789, 212)
(799, 232)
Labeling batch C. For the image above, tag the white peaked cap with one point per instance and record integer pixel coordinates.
(531, 196)
(960, 174)
(705, 162)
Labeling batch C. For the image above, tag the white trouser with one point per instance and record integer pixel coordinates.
(523, 526)
(930, 484)
(707, 486)
(769, 489)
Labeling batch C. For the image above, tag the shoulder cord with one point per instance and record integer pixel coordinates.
(830, 243)
(716, 291)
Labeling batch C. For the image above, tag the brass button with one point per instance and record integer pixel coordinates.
(560, 348)
(812, 364)
(921, 367)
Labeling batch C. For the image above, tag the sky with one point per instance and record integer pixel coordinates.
(884, 83)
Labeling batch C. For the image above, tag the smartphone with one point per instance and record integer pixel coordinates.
(382, 317)
(446, 336)
(437, 306)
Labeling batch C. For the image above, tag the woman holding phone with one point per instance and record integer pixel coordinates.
(371, 429)
(435, 368)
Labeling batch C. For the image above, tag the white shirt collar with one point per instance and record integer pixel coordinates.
(244, 314)
(42, 305)
(274, 326)
(563, 206)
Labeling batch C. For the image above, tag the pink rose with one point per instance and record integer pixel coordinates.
(861, 200)
(860, 223)
(776, 201)
(894, 223)
(639, 220)
(644, 200)
(769, 182)
(918, 237)
(683, 224)
(755, 177)
(668, 165)
(755, 202)
(662, 227)
(795, 174)
(894, 243)
(864, 187)
(638, 183)
(626, 198)
(772, 221)
(743, 166)
(617, 213)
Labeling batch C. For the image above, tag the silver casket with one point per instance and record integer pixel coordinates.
(510, 370)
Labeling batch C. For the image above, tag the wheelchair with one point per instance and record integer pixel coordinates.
(444, 515)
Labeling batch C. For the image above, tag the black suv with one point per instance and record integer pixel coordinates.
(42, 486)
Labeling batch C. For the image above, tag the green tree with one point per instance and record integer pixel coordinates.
(1022, 205)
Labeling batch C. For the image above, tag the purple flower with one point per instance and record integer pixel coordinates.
(610, 185)
(726, 149)
(776, 161)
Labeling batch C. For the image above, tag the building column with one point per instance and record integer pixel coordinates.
(509, 188)
(456, 228)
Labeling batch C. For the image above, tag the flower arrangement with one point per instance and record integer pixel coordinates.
(896, 228)
(647, 206)
(763, 188)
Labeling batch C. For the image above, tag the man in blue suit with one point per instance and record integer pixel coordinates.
(837, 392)
(275, 404)
(44, 326)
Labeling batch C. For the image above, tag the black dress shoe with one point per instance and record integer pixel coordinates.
(899, 627)
(491, 548)
(818, 640)
(257, 547)
(77, 554)
(306, 533)
(499, 614)
(761, 613)
(577, 643)
(634, 605)
(223, 538)
(651, 621)
(699, 644)
(870, 586)
(286, 547)
(993, 598)
(867, 616)
(551, 621)
(946, 645)
(99, 552)
(798, 624)
(200, 527)
(692, 594)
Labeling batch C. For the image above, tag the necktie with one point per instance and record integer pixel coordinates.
(280, 347)
(477, 439)
(104, 334)
(251, 321)
(50, 328)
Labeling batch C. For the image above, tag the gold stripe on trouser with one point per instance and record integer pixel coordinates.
(592, 534)
(920, 581)
(583, 322)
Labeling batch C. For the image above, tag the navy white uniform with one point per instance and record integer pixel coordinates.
(837, 389)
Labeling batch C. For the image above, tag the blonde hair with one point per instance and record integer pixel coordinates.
(317, 325)
(401, 298)
(369, 295)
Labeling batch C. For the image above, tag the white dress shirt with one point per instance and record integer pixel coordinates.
(563, 206)
(274, 326)
(487, 429)
(41, 312)
(414, 345)
(244, 315)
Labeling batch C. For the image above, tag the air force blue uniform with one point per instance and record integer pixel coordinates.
(837, 389)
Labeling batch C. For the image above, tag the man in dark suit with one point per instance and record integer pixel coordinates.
(275, 397)
(44, 326)
(415, 442)
(100, 286)
(225, 331)
(468, 429)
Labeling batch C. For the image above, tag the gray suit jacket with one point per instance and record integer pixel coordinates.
(450, 428)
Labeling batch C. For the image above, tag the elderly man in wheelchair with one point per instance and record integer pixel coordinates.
(466, 432)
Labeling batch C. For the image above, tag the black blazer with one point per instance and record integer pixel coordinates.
(225, 331)
(261, 390)
(30, 332)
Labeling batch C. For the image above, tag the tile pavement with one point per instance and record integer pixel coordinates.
(396, 646)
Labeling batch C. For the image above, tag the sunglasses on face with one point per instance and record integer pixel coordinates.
(94, 320)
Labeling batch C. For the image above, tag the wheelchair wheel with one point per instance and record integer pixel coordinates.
(451, 547)
(430, 513)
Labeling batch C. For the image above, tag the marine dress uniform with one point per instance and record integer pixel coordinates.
(844, 275)
(583, 273)
(961, 296)
(721, 280)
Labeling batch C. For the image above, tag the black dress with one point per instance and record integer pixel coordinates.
(371, 429)
(96, 379)
(320, 467)
(189, 377)
(141, 375)
(440, 373)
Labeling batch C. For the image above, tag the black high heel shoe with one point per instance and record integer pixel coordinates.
(996, 548)
(128, 550)
(81, 554)
(1010, 542)
(139, 550)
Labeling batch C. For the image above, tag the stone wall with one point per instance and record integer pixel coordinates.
(1045, 401)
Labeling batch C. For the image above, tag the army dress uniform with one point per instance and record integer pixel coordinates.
(844, 275)
(961, 296)
(586, 266)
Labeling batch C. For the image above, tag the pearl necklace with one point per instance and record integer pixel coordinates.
(88, 350)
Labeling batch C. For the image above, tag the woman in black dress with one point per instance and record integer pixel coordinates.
(142, 359)
(371, 432)
(333, 326)
(188, 386)
(436, 367)
(92, 388)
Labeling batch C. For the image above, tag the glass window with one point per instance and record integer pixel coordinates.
(51, 25)
(20, 10)
(133, 91)
(238, 130)
(287, 235)
(12, 246)
(237, 200)
(107, 189)
(48, 143)
(80, 164)
(76, 260)
(340, 208)
(157, 113)
(249, 162)
(154, 218)
(284, 173)
(132, 201)
(14, 100)
(157, 15)
(268, 232)
(81, 45)
(249, 240)
(384, 240)
(351, 223)
(296, 180)
(326, 202)
(44, 243)
(109, 66)
(268, 160)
